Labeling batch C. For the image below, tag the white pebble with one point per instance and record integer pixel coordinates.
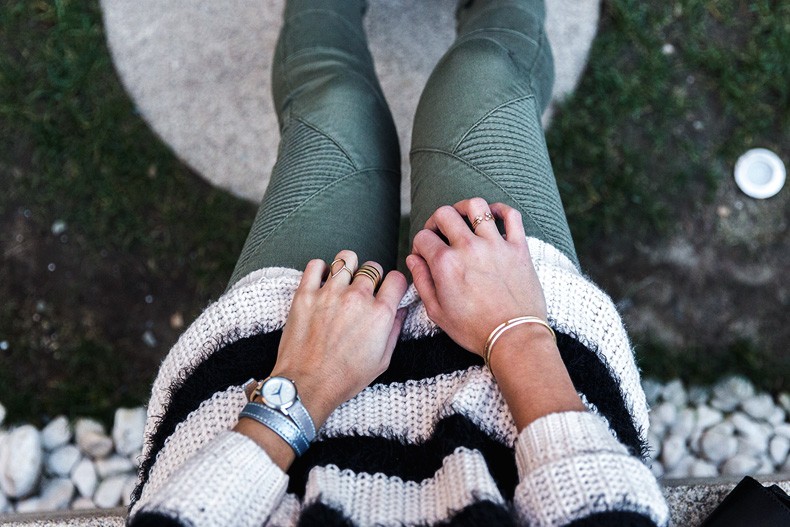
(29, 505)
(674, 393)
(754, 432)
(778, 449)
(2, 412)
(783, 430)
(656, 469)
(730, 392)
(749, 448)
(652, 389)
(112, 466)
(21, 460)
(128, 430)
(766, 467)
(702, 469)
(5, 505)
(59, 227)
(56, 495)
(56, 433)
(84, 478)
(662, 416)
(718, 446)
(698, 395)
(673, 449)
(128, 488)
(681, 469)
(707, 417)
(92, 439)
(62, 460)
(778, 416)
(740, 465)
(759, 407)
(668, 49)
(108, 494)
(684, 423)
(653, 445)
(82, 503)
(784, 401)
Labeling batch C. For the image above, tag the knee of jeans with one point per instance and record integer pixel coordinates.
(349, 108)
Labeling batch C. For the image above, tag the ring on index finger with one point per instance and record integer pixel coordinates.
(333, 273)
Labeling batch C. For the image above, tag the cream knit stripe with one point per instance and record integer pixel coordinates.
(553, 437)
(230, 482)
(287, 512)
(374, 499)
(213, 417)
(570, 466)
(579, 308)
(408, 411)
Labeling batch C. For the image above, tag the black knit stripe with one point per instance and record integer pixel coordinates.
(155, 519)
(409, 462)
(415, 359)
(591, 377)
(614, 519)
(482, 512)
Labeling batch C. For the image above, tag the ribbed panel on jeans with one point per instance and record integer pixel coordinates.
(509, 148)
(307, 166)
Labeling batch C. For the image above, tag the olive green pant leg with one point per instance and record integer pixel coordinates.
(336, 182)
(477, 130)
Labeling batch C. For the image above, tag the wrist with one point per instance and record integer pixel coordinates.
(312, 393)
(521, 345)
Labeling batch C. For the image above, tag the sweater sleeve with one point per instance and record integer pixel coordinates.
(230, 481)
(572, 471)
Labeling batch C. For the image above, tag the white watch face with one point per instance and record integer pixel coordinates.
(278, 392)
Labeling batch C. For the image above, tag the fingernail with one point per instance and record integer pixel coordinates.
(410, 262)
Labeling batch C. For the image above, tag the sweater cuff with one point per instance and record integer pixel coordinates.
(230, 481)
(571, 466)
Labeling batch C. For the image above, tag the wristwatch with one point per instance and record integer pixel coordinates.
(282, 411)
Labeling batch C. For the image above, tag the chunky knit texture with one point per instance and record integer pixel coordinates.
(429, 442)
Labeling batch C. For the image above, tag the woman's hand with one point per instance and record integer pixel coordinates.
(477, 279)
(339, 336)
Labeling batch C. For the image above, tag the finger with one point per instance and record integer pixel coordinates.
(313, 275)
(449, 222)
(392, 340)
(368, 276)
(423, 281)
(514, 224)
(479, 215)
(427, 244)
(392, 289)
(342, 268)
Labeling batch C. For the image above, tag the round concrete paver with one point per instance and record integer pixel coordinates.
(199, 72)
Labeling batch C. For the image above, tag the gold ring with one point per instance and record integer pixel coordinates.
(333, 273)
(480, 219)
(370, 272)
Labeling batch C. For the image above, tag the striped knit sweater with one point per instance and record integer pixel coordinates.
(431, 441)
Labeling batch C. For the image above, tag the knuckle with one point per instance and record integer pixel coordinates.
(478, 202)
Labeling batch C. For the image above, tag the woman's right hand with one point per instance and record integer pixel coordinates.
(477, 279)
(339, 335)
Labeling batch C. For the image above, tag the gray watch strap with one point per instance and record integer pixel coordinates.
(278, 423)
(302, 419)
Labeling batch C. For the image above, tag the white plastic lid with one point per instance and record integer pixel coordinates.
(759, 173)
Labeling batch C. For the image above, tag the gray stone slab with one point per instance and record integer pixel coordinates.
(199, 72)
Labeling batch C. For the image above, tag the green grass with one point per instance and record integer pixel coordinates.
(92, 160)
(649, 132)
(645, 135)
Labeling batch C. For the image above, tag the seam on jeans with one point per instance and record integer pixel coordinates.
(331, 12)
(316, 129)
(499, 29)
(491, 7)
(490, 179)
(537, 54)
(486, 116)
(316, 194)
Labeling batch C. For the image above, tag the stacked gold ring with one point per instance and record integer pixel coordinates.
(370, 272)
(480, 219)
